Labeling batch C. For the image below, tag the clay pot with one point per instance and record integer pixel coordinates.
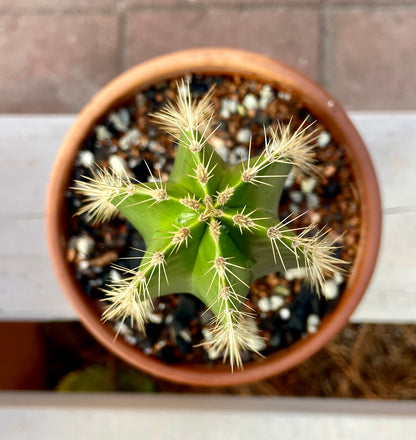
(320, 104)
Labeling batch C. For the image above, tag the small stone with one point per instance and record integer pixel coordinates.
(84, 245)
(155, 318)
(228, 107)
(117, 122)
(312, 201)
(114, 275)
(160, 163)
(284, 96)
(83, 265)
(330, 170)
(338, 278)
(130, 139)
(284, 313)
(104, 259)
(124, 116)
(243, 135)
(206, 333)
(86, 158)
(264, 304)
(290, 179)
(266, 96)
(330, 289)
(294, 273)
(276, 302)
(250, 102)
(312, 323)
(241, 153)
(296, 196)
(132, 340)
(241, 110)
(308, 185)
(281, 290)
(102, 133)
(324, 139)
(294, 208)
(220, 148)
(122, 328)
(155, 147)
(118, 164)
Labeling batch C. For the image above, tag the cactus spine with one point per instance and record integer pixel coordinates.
(211, 229)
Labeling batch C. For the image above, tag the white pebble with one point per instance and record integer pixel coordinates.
(220, 148)
(83, 265)
(102, 133)
(86, 158)
(296, 196)
(294, 208)
(312, 323)
(276, 302)
(124, 116)
(206, 333)
(118, 122)
(313, 320)
(155, 318)
(243, 135)
(256, 342)
(266, 96)
(284, 313)
(132, 340)
(290, 179)
(122, 329)
(133, 162)
(130, 139)
(312, 201)
(284, 96)
(84, 245)
(118, 164)
(240, 153)
(228, 107)
(264, 304)
(115, 275)
(250, 102)
(155, 147)
(323, 139)
(295, 272)
(308, 185)
(338, 278)
(185, 334)
(330, 289)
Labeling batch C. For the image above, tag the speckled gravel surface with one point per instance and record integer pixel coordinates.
(287, 309)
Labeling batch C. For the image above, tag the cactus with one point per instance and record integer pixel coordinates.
(212, 229)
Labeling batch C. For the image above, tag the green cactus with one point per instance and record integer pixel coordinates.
(211, 229)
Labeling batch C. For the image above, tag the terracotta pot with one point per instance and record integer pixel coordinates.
(320, 104)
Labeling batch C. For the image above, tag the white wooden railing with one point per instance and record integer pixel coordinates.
(29, 291)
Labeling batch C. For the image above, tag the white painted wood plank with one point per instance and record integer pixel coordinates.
(173, 417)
(391, 140)
(29, 290)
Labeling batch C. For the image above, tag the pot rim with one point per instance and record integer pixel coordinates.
(322, 106)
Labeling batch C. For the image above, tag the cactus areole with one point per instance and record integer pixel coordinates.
(211, 229)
